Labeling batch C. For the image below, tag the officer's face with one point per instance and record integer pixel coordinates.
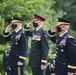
(61, 28)
(16, 25)
(37, 21)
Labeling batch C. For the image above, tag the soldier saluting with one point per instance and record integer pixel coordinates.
(65, 46)
(39, 45)
(18, 47)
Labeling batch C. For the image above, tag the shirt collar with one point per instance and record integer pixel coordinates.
(18, 29)
(63, 33)
(38, 28)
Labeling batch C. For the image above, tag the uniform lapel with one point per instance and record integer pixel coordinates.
(13, 35)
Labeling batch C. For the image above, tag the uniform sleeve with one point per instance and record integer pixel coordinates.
(52, 36)
(71, 44)
(45, 48)
(27, 31)
(23, 51)
(6, 36)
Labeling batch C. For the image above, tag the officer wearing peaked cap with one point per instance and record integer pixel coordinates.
(39, 45)
(65, 47)
(18, 47)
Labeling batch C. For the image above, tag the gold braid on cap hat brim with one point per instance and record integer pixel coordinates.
(63, 23)
(13, 21)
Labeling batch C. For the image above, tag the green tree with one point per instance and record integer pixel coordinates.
(68, 7)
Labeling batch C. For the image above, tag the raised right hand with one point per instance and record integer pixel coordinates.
(53, 29)
(9, 27)
(31, 23)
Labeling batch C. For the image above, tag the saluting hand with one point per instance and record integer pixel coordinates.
(53, 29)
(43, 67)
(19, 63)
(69, 73)
(9, 27)
(31, 23)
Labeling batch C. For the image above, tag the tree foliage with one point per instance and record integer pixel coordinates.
(68, 7)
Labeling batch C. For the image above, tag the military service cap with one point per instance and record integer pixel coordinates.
(16, 19)
(62, 21)
(39, 17)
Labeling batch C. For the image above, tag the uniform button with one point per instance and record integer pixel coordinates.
(17, 55)
(60, 44)
(16, 43)
(9, 69)
(63, 63)
(62, 50)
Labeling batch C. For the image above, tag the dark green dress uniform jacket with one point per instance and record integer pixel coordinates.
(18, 47)
(66, 51)
(39, 47)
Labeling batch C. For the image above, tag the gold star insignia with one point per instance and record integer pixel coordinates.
(16, 43)
(62, 50)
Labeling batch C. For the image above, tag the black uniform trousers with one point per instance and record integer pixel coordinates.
(60, 69)
(37, 71)
(17, 70)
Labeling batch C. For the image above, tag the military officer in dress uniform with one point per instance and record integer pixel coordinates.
(65, 47)
(39, 45)
(18, 47)
(5, 62)
(50, 70)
